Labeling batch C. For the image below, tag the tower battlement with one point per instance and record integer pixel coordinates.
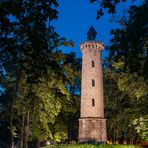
(92, 45)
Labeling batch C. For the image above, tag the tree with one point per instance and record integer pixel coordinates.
(129, 44)
(69, 114)
(27, 46)
(128, 60)
(117, 105)
(71, 109)
(110, 5)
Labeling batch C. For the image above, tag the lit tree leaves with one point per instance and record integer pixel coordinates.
(31, 64)
(127, 61)
(133, 84)
(141, 126)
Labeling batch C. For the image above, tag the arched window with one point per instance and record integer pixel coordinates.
(93, 102)
(93, 63)
(93, 82)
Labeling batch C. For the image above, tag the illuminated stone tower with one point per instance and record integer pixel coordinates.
(92, 125)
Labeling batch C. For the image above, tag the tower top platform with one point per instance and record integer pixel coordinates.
(96, 45)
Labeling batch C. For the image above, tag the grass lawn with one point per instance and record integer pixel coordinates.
(90, 146)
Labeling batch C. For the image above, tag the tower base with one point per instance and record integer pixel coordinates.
(92, 130)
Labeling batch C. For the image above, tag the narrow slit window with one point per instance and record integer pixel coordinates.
(93, 82)
(93, 102)
(93, 63)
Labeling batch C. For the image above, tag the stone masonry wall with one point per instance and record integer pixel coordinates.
(92, 130)
(92, 51)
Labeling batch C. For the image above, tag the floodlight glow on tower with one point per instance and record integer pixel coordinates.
(92, 125)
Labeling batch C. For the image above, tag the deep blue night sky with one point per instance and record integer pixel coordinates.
(77, 16)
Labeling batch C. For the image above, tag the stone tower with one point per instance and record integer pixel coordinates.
(92, 125)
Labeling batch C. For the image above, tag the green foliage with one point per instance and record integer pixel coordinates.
(126, 77)
(51, 95)
(32, 67)
(117, 107)
(13, 131)
(128, 47)
(141, 126)
(65, 126)
(133, 84)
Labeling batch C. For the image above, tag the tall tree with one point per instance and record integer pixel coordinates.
(128, 59)
(27, 45)
(69, 114)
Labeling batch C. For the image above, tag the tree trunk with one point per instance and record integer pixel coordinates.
(11, 125)
(114, 134)
(26, 131)
(11, 110)
(70, 128)
(37, 144)
(69, 133)
(22, 130)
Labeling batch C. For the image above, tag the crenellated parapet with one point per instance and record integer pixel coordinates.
(96, 45)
